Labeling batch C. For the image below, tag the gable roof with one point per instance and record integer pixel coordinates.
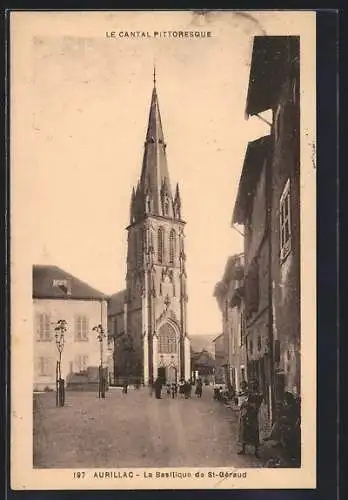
(218, 337)
(256, 154)
(272, 59)
(51, 282)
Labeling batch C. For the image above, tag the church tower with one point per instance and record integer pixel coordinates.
(156, 294)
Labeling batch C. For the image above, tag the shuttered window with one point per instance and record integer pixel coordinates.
(43, 327)
(81, 328)
(285, 222)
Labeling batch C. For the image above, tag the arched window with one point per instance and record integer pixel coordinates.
(167, 340)
(172, 246)
(140, 246)
(160, 245)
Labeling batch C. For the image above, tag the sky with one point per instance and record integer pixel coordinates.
(81, 110)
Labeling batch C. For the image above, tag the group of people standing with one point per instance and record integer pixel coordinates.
(285, 430)
(183, 388)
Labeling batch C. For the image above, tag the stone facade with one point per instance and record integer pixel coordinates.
(155, 300)
(229, 294)
(220, 359)
(268, 205)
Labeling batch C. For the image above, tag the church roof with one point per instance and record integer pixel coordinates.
(51, 282)
(116, 303)
(155, 174)
(153, 194)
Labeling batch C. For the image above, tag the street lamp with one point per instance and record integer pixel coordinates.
(100, 336)
(60, 331)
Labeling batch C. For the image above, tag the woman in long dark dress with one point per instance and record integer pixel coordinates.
(249, 419)
(158, 388)
(199, 386)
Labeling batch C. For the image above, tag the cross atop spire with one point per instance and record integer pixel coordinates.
(154, 74)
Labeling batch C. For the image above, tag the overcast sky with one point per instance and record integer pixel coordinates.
(80, 115)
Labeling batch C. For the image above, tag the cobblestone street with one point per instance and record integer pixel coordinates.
(136, 430)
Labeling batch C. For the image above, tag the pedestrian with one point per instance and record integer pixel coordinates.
(199, 388)
(168, 390)
(158, 388)
(174, 390)
(182, 387)
(151, 386)
(290, 427)
(125, 387)
(249, 419)
(187, 389)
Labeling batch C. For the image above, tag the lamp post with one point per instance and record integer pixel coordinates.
(100, 336)
(60, 331)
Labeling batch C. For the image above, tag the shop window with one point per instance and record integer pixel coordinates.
(81, 362)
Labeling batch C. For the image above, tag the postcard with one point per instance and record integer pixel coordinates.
(163, 249)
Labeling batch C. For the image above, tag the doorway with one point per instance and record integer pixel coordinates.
(161, 374)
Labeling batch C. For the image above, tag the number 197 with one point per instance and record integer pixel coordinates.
(79, 475)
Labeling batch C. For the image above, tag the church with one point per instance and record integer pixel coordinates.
(148, 320)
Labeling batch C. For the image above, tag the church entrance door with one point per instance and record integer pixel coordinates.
(172, 376)
(161, 374)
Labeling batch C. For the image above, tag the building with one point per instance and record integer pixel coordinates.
(155, 303)
(203, 366)
(116, 325)
(203, 342)
(268, 205)
(57, 295)
(229, 293)
(220, 359)
(203, 357)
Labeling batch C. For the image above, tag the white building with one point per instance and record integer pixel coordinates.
(57, 295)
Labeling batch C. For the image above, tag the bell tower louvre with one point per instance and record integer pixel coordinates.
(156, 292)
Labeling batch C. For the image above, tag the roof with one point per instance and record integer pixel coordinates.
(234, 271)
(155, 174)
(271, 58)
(203, 358)
(51, 282)
(234, 263)
(201, 342)
(256, 153)
(116, 303)
(218, 337)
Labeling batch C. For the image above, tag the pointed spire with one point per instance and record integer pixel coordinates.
(177, 203)
(154, 130)
(132, 207)
(177, 193)
(155, 173)
(154, 75)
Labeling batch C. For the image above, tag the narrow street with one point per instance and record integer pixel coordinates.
(136, 430)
